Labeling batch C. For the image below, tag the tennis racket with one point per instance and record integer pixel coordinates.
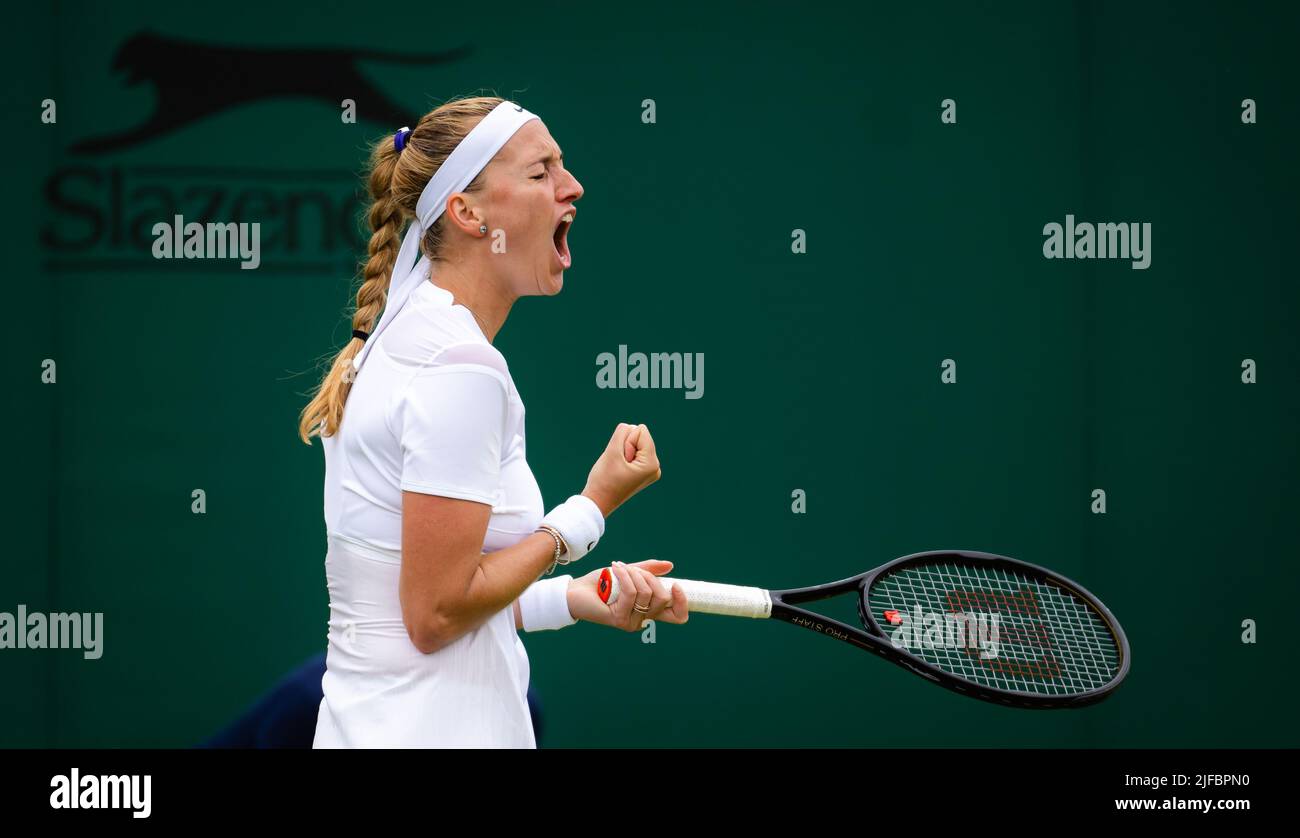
(986, 626)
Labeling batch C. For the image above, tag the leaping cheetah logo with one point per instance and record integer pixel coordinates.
(195, 80)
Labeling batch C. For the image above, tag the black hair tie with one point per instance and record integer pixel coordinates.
(357, 333)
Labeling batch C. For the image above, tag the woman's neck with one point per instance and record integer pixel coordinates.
(484, 299)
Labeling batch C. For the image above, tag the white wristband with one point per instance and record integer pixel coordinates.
(545, 604)
(580, 524)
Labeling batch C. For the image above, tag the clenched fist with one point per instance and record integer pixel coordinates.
(626, 466)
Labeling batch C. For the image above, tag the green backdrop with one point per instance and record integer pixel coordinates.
(924, 243)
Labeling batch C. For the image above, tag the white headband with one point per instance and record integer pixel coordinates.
(462, 165)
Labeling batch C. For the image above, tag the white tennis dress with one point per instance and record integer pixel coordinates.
(433, 410)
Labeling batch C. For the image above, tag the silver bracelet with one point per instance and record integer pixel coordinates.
(560, 546)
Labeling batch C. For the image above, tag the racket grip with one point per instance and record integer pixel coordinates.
(704, 597)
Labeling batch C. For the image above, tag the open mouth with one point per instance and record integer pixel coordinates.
(561, 240)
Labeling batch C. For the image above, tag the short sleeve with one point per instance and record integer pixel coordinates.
(450, 421)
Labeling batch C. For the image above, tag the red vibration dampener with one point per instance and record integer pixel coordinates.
(607, 587)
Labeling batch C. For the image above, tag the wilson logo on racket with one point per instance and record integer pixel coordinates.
(1023, 631)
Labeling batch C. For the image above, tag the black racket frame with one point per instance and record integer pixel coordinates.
(874, 638)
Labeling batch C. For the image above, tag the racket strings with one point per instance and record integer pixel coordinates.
(1045, 640)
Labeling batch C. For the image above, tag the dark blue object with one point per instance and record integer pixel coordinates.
(285, 717)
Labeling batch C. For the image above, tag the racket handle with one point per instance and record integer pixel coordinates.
(703, 597)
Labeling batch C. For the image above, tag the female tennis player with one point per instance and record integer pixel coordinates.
(439, 547)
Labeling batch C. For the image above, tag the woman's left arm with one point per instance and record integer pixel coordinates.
(584, 603)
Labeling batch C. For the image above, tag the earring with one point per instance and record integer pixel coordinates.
(482, 228)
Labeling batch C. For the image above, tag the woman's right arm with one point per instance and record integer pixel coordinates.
(628, 464)
(448, 586)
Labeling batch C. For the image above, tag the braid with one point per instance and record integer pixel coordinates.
(385, 243)
(321, 417)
